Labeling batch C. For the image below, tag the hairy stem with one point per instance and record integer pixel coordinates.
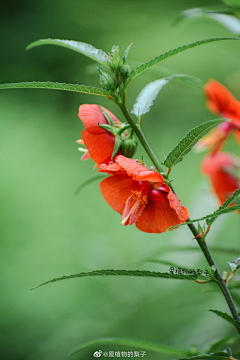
(223, 286)
(201, 240)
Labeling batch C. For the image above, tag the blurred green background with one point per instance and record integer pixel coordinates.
(48, 232)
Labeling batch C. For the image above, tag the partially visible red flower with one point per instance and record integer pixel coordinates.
(99, 142)
(221, 102)
(220, 169)
(141, 196)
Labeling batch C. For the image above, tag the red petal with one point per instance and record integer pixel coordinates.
(158, 215)
(175, 204)
(100, 146)
(221, 101)
(91, 116)
(112, 168)
(223, 183)
(138, 171)
(117, 189)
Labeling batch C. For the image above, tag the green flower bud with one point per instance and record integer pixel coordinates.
(129, 147)
(107, 81)
(124, 70)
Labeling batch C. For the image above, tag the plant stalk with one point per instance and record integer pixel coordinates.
(140, 136)
(201, 240)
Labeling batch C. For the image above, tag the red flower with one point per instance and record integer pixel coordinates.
(221, 102)
(141, 196)
(99, 142)
(221, 168)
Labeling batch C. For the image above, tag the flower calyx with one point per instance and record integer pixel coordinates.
(124, 140)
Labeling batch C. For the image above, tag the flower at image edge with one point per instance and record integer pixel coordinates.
(220, 170)
(98, 141)
(221, 102)
(141, 196)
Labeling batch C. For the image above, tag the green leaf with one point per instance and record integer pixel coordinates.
(230, 22)
(125, 55)
(133, 343)
(217, 345)
(189, 141)
(104, 272)
(149, 93)
(167, 54)
(90, 180)
(224, 206)
(147, 96)
(56, 86)
(214, 356)
(216, 214)
(227, 318)
(86, 49)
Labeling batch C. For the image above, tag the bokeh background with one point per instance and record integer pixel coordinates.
(48, 232)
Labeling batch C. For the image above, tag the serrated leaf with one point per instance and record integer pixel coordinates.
(90, 180)
(125, 55)
(149, 93)
(86, 49)
(147, 96)
(216, 214)
(144, 273)
(56, 86)
(130, 342)
(186, 144)
(167, 54)
(226, 317)
(214, 356)
(224, 206)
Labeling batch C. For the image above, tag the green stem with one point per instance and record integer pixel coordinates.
(140, 136)
(202, 243)
(193, 229)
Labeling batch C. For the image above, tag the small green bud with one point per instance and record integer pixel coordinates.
(107, 81)
(124, 70)
(129, 147)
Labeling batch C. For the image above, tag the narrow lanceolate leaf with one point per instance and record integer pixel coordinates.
(213, 356)
(89, 181)
(149, 93)
(222, 343)
(104, 272)
(147, 96)
(132, 343)
(56, 86)
(189, 141)
(224, 206)
(214, 215)
(167, 54)
(227, 318)
(86, 49)
(230, 22)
